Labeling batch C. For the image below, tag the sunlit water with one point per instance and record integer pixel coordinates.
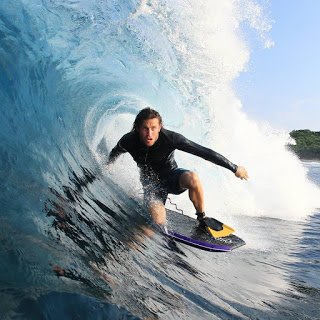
(72, 77)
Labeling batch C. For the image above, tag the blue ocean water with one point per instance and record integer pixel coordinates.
(73, 74)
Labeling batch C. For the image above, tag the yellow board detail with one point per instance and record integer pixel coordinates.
(222, 233)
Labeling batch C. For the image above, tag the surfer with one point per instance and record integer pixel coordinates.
(152, 147)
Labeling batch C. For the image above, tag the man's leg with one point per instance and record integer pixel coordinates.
(157, 211)
(189, 180)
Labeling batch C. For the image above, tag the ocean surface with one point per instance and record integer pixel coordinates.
(73, 242)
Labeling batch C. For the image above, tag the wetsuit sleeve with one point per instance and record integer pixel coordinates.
(183, 144)
(117, 150)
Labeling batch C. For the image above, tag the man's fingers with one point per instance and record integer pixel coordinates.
(242, 173)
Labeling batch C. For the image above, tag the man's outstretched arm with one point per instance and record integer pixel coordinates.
(116, 152)
(183, 144)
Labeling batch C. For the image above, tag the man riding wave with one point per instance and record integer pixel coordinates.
(152, 147)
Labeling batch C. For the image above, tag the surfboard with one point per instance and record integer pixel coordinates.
(186, 230)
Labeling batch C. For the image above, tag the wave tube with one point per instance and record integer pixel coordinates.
(73, 77)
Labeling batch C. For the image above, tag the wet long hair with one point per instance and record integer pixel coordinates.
(146, 114)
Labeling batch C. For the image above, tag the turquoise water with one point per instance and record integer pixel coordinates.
(72, 77)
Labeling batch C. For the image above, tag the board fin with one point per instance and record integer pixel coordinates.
(216, 228)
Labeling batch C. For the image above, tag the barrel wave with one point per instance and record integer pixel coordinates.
(76, 240)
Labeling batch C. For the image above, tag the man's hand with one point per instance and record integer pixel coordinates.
(242, 173)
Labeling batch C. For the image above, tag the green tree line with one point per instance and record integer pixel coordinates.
(307, 144)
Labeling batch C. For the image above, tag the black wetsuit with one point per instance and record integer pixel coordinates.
(157, 162)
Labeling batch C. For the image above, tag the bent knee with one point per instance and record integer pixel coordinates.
(157, 211)
(155, 205)
(190, 180)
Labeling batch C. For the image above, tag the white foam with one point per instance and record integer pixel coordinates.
(205, 46)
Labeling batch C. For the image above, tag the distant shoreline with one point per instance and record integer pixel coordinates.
(307, 146)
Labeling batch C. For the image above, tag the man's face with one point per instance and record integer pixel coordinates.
(149, 131)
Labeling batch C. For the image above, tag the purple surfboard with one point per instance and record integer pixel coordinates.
(186, 230)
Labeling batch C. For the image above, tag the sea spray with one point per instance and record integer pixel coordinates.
(74, 75)
(192, 53)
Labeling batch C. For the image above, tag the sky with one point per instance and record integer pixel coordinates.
(282, 84)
